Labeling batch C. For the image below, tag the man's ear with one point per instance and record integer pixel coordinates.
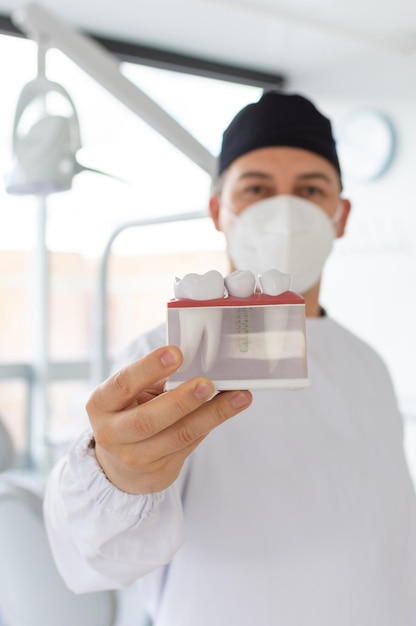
(214, 210)
(346, 208)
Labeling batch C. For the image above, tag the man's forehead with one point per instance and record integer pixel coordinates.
(275, 161)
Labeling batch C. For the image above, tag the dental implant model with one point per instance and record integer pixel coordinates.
(242, 332)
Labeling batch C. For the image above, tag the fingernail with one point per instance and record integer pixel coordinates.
(239, 400)
(203, 391)
(168, 358)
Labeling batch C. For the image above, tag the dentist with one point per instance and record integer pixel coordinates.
(299, 511)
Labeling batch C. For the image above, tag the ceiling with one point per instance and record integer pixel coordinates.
(359, 46)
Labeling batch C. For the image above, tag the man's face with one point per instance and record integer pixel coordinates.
(268, 172)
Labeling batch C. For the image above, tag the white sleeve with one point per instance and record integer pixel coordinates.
(101, 537)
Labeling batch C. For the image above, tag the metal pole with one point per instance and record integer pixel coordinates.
(38, 423)
(40, 396)
(100, 366)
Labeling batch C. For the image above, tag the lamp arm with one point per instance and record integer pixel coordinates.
(102, 66)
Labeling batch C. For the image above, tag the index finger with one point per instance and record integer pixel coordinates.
(120, 390)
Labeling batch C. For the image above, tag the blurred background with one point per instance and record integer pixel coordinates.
(201, 61)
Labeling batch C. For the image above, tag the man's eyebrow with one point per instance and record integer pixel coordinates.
(254, 174)
(304, 176)
(309, 175)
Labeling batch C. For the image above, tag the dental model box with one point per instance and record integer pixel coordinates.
(239, 338)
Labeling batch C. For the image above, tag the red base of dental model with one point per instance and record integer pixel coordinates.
(257, 299)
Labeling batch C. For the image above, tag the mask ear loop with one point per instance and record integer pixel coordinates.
(225, 212)
(336, 218)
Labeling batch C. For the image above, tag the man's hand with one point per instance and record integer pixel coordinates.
(143, 435)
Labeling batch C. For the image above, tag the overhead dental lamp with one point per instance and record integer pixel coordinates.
(43, 26)
(45, 143)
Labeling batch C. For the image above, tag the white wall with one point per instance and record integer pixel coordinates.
(370, 282)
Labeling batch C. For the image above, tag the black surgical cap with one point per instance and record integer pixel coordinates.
(278, 119)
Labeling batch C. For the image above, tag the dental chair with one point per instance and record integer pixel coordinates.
(7, 451)
(32, 592)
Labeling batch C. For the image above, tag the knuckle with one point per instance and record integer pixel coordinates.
(103, 436)
(120, 383)
(142, 425)
(178, 405)
(185, 434)
(91, 405)
(219, 413)
(130, 459)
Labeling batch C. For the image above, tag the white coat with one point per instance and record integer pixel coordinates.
(299, 511)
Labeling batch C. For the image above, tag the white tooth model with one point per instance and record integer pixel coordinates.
(200, 326)
(240, 284)
(274, 283)
(238, 336)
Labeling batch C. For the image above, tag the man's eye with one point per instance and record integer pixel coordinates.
(256, 190)
(311, 190)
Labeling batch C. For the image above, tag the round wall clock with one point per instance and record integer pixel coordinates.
(365, 144)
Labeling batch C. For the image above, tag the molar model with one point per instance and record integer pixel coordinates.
(244, 331)
(200, 326)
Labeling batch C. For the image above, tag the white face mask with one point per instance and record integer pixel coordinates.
(283, 232)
